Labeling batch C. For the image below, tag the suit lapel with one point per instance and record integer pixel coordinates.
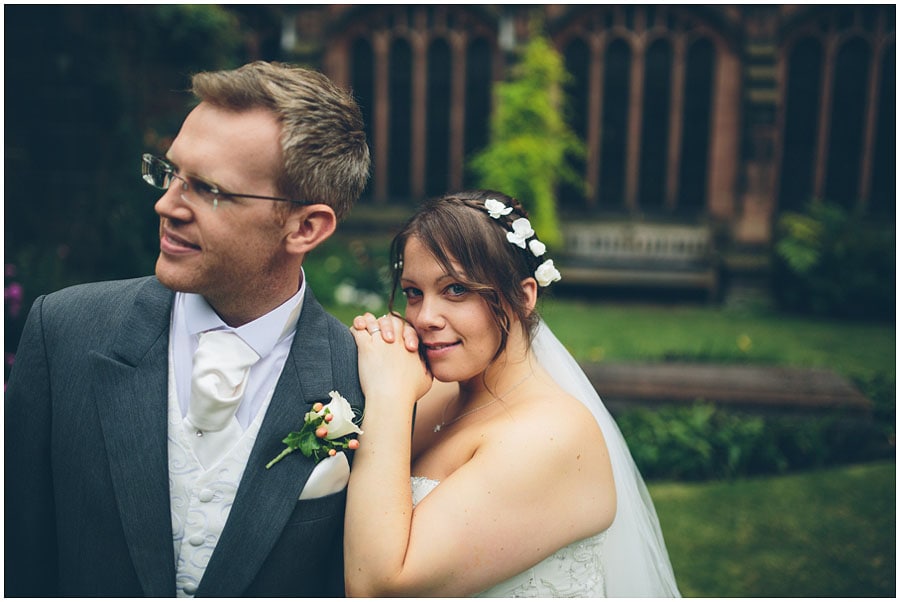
(130, 391)
(266, 498)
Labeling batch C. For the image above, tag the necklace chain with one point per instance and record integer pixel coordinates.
(443, 423)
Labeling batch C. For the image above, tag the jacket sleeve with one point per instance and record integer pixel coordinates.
(31, 549)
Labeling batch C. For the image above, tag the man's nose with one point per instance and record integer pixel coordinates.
(172, 203)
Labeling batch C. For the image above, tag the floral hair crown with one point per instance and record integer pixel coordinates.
(520, 234)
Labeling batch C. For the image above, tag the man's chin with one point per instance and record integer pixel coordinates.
(170, 278)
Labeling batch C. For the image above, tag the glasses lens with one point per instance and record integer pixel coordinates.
(155, 172)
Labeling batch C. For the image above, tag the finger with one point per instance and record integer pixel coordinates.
(360, 335)
(359, 323)
(410, 337)
(371, 324)
(386, 324)
(363, 322)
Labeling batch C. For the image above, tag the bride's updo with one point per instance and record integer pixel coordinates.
(457, 228)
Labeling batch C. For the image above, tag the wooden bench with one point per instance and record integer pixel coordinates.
(635, 254)
(746, 387)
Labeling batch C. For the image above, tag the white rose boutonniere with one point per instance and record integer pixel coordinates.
(327, 429)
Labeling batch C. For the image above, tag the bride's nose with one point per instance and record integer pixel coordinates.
(429, 315)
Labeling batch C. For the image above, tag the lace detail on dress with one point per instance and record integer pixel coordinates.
(575, 571)
(421, 486)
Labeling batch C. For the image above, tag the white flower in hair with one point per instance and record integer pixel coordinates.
(495, 208)
(546, 273)
(521, 231)
(537, 247)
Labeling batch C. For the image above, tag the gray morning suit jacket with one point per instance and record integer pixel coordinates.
(87, 487)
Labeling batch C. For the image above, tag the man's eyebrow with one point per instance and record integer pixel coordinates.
(194, 176)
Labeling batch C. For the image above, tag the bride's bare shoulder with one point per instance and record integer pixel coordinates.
(549, 414)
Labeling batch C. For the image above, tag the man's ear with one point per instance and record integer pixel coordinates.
(309, 227)
(530, 287)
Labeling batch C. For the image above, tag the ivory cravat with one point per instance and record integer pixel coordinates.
(221, 366)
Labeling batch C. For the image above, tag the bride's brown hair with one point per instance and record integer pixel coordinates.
(457, 228)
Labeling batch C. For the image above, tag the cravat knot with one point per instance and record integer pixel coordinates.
(222, 363)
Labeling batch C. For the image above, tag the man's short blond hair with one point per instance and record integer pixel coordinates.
(326, 158)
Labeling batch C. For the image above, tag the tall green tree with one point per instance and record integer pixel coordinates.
(529, 137)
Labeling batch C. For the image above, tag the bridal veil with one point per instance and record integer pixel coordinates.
(634, 554)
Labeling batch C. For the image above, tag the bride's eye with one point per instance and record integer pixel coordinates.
(456, 290)
(412, 293)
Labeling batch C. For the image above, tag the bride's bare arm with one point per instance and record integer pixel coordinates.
(379, 501)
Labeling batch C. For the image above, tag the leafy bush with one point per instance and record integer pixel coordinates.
(833, 262)
(703, 441)
(881, 388)
(696, 442)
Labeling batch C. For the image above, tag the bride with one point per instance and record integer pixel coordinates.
(488, 464)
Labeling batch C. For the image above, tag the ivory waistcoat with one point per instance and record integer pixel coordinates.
(201, 498)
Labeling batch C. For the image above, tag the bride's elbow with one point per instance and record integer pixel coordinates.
(359, 585)
(370, 591)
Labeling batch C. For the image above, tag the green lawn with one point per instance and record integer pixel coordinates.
(609, 332)
(829, 533)
(645, 332)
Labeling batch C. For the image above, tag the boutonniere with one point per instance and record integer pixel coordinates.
(327, 429)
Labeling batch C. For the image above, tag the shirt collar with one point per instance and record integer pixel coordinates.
(262, 334)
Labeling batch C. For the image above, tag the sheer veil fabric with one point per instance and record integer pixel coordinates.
(634, 554)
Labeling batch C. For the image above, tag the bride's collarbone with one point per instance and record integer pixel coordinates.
(441, 452)
(444, 452)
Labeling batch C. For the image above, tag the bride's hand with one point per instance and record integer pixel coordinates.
(389, 369)
(386, 326)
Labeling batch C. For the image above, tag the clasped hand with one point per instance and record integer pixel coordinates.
(389, 363)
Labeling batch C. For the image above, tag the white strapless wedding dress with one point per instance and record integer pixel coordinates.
(575, 571)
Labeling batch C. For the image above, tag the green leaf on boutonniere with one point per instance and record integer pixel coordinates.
(326, 429)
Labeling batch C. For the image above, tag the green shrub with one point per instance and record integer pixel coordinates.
(703, 441)
(881, 388)
(833, 262)
(696, 442)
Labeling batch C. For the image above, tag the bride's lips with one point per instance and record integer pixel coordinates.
(437, 350)
(175, 245)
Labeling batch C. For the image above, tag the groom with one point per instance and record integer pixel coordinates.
(124, 476)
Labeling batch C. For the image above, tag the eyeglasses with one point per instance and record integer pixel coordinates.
(160, 174)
